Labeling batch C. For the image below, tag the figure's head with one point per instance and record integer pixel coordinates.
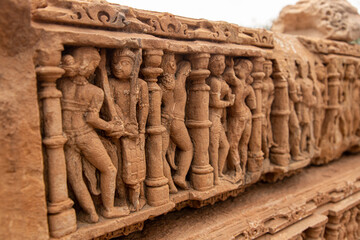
(81, 61)
(320, 70)
(243, 68)
(168, 63)
(350, 71)
(268, 70)
(122, 63)
(217, 65)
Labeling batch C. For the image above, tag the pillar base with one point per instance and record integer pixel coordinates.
(255, 161)
(202, 177)
(63, 223)
(280, 159)
(157, 191)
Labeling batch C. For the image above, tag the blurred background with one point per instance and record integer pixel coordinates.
(246, 13)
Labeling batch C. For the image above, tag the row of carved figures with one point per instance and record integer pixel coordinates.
(123, 131)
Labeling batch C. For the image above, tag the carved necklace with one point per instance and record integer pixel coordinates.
(80, 80)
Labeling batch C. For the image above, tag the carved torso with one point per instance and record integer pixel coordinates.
(77, 100)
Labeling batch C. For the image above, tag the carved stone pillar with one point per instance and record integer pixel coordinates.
(255, 159)
(61, 215)
(157, 189)
(332, 230)
(280, 112)
(331, 111)
(198, 122)
(314, 233)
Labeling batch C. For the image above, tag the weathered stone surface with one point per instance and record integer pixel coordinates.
(331, 19)
(23, 213)
(134, 114)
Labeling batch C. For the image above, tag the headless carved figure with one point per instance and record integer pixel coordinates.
(172, 117)
(132, 149)
(239, 115)
(348, 85)
(356, 104)
(220, 98)
(305, 108)
(268, 94)
(320, 93)
(81, 103)
(294, 126)
(352, 226)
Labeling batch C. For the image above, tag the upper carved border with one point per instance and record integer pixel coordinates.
(330, 47)
(122, 18)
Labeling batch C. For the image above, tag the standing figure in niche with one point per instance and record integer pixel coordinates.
(294, 126)
(239, 115)
(81, 103)
(320, 94)
(172, 118)
(349, 79)
(268, 94)
(131, 102)
(305, 107)
(352, 226)
(356, 103)
(220, 98)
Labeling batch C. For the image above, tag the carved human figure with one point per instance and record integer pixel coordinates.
(239, 115)
(268, 94)
(81, 103)
(343, 223)
(356, 103)
(305, 107)
(131, 102)
(294, 126)
(349, 79)
(221, 97)
(352, 226)
(345, 114)
(321, 99)
(172, 84)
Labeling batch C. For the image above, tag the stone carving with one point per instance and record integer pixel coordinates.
(335, 19)
(221, 97)
(84, 13)
(131, 104)
(81, 103)
(172, 84)
(267, 94)
(239, 120)
(304, 108)
(149, 123)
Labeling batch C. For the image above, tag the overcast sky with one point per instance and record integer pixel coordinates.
(247, 13)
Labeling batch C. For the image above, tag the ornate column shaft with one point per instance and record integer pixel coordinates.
(331, 111)
(198, 122)
(332, 230)
(280, 112)
(314, 233)
(61, 215)
(157, 189)
(255, 159)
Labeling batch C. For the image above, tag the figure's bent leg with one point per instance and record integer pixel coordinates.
(223, 152)
(166, 167)
(134, 197)
(295, 135)
(74, 174)
(236, 130)
(214, 146)
(244, 141)
(96, 154)
(181, 138)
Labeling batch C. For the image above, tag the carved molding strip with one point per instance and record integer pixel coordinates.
(330, 47)
(116, 17)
